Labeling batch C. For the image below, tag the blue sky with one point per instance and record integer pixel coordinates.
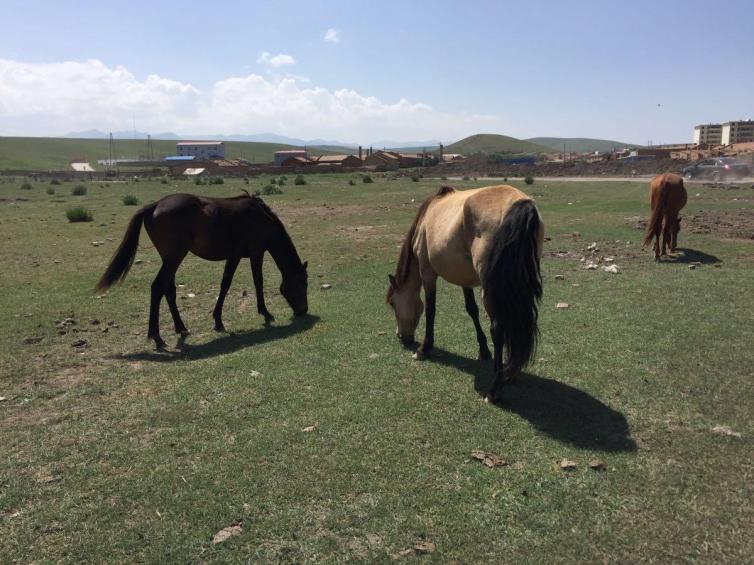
(395, 70)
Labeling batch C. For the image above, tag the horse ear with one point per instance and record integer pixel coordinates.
(393, 281)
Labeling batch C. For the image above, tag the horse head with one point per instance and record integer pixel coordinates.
(407, 307)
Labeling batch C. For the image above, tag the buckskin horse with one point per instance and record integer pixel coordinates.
(491, 236)
(667, 196)
(215, 229)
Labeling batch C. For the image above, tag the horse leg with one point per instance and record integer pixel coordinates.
(180, 327)
(497, 363)
(666, 235)
(430, 295)
(158, 289)
(473, 310)
(256, 273)
(217, 314)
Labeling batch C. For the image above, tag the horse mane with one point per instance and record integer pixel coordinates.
(273, 217)
(403, 268)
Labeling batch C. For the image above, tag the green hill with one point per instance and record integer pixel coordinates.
(51, 153)
(580, 144)
(493, 143)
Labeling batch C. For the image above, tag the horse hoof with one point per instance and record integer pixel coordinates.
(419, 356)
(183, 333)
(219, 328)
(268, 320)
(490, 398)
(159, 345)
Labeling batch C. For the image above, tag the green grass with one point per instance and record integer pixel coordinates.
(50, 153)
(494, 143)
(115, 452)
(78, 214)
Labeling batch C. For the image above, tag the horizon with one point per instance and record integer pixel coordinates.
(359, 76)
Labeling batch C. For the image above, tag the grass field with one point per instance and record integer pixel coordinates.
(494, 143)
(51, 153)
(114, 452)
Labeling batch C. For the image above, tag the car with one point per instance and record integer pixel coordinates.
(716, 168)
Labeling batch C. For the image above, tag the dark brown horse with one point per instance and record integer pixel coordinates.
(667, 196)
(216, 229)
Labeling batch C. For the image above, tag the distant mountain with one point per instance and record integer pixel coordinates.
(392, 144)
(580, 144)
(97, 134)
(494, 143)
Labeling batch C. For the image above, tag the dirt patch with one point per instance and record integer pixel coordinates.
(600, 253)
(323, 211)
(731, 224)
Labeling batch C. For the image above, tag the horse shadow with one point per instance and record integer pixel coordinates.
(564, 413)
(225, 343)
(688, 256)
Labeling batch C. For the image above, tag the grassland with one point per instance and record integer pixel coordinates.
(50, 153)
(579, 144)
(112, 452)
(494, 143)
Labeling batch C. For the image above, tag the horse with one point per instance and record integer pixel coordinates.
(667, 196)
(215, 229)
(489, 236)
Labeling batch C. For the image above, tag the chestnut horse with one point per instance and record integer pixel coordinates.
(490, 236)
(215, 229)
(667, 197)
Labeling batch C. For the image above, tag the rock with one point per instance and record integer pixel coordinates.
(226, 533)
(254, 373)
(138, 262)
(3, 398)
(424, 547)
(566, 465)
(725, 431)
(488, 459)
(692, 267)
(32, 339)
(95, 322)
(308, 429)
(559, 277)
(590, 266)
(80, 343)
(611, 269)
(597, 465)
(373, 355)
(592, 247)
(326, 286)
(561, 305)
(609, 259)
(191, 295)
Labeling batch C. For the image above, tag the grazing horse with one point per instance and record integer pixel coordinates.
(216, 229)
(667, 197)
(490, 236)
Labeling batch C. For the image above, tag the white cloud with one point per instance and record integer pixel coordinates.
(279, 60)
(54, 98)
(332, 35)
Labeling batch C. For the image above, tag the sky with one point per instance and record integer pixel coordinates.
(363, 71)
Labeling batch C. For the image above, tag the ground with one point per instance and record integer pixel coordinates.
(320, 439)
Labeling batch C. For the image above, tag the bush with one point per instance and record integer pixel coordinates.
(281, 181)
(415, 178)
(130, 200)
(271, 189)
(505, 179)
(54, 181)
(299, 180)
(443, 177)
(198, 180)
(163, 181)
(26, 186)
(246, 180)
(216, 180)
(529, 179)
(351, 182)
(283, 178)
(272, 181)
(466, 178)
(50, 190)
(79, 190)
(366, 179)
(79, 214)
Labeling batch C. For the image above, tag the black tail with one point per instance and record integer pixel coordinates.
(121, 262)
(512, 284)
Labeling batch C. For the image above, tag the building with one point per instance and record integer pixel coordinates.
(737, 132)
(708, 134)
(338, 160)
(297, 162)
(281, 156)
(201, 149)
(383, 160)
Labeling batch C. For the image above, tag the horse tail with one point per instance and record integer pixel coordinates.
(654, 227)
(123, 258)
(512, 284)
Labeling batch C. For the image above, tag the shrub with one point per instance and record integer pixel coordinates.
(443, 177)
(283, 178)
(466, 178)
(271, 189)
(474, 179)
(26, 186)
(54, 181)
(505, 179)
(246, 180)
(529, 179)
(79, 190)
(415, 178)
(130, 200)
(163, 181)
(299, 180)
(50, 190)
(217, 180)
(351, 182)
(366, 179)
(272, 181)
(198, 180)
(281, 181)
(79, 214)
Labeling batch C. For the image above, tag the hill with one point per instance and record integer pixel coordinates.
(50, 153)
(580, 144)
(493, 143)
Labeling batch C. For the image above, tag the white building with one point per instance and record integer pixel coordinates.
(708, 134)
(737, 132)
(201, 149)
